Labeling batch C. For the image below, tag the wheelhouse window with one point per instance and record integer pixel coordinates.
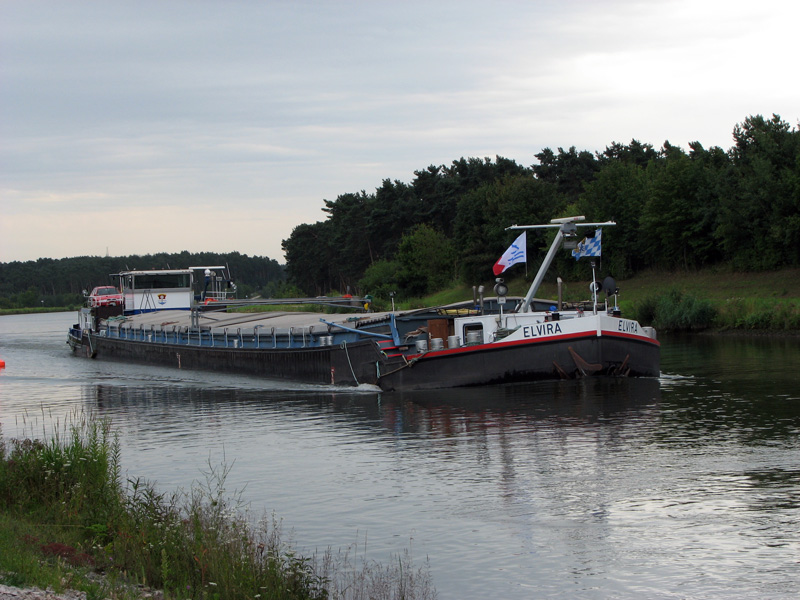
(159, 281)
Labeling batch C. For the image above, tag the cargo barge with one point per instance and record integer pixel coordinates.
(167, 320)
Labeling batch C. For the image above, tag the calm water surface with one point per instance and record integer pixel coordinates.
(682, 487)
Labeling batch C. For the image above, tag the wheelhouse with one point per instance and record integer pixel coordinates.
(147, 291)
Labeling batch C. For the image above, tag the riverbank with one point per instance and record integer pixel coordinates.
(727, 301)
(36, 309)
(67, 522)
(718, 301)
(705, 300)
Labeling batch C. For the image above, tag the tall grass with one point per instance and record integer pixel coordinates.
(66, 493)
(71, 480)
(759, 314)
(676, 311)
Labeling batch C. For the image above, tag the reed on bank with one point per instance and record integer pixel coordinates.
(704, 300)
(679, 311)
(65, 515)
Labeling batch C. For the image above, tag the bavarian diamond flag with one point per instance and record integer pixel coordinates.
(588, 246)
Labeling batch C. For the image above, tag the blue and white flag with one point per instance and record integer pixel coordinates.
(588, 246)
(516, 253)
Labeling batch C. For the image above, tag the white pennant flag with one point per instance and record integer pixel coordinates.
(516, 253)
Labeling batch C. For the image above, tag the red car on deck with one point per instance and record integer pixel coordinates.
(105, 295)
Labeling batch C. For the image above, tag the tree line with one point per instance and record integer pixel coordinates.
(674, 210)
(61, 282)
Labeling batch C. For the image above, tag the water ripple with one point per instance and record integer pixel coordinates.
(677, 487)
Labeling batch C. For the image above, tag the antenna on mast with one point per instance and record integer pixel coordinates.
(566, 230)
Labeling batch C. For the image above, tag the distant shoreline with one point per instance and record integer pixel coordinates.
(36, 309)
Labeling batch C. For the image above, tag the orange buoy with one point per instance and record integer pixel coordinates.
(2, 364)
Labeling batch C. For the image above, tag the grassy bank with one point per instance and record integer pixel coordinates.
(715, 300)
(37, 309)
(66, 517)
(695, 300)
(698, 300)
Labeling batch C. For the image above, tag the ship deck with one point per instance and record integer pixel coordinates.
(247, 323)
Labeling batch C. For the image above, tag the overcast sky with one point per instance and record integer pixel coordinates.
(139, 127)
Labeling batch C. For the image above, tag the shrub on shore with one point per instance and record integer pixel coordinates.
(676, 311)
(760, 314)
(679, 311)
(65, 494)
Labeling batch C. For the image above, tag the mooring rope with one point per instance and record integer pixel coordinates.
(91, 348)
(347, 354)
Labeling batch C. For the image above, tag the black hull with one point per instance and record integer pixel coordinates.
(562, 359)
(362, 362)
(352, 364)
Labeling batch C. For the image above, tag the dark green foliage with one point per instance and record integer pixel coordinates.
(678, 213)
(395, 208)
(569, 171)
(676, 311)
(440, 188)
(759, 219)
(60, 282)
(427, 261)
(644, 311)
(364, 229)
(619, 193)
(381, 279)
(348, 246)
(484, 214)
(636, 153)
(309, 258)
(673, 211)
(760, 313)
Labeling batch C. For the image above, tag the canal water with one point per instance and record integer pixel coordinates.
(687, 486)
